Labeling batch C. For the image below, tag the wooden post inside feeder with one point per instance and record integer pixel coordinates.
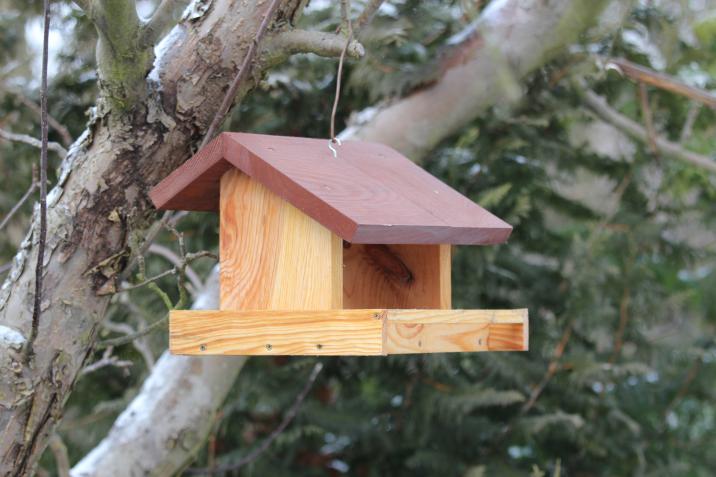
(332, 256)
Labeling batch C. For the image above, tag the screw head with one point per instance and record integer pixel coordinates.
(269, 347)
(376, 315)
(202, 347)
(319, 346)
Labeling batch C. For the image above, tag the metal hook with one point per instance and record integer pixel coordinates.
(333, 149)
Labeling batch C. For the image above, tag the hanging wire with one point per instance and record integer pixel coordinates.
(345, 12)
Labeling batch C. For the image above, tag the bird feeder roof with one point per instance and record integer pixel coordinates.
(370, 193)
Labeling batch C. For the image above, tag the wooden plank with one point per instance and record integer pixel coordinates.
(369, 194)
(444, 331)
(346, 332)
(396, 276)
(517, 316)
(272, 255)
(194, 185)
(268, 332)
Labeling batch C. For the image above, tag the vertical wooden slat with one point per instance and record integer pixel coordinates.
(272, 255)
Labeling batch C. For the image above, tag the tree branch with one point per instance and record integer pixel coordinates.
(54, 123)
(122, 60)
(62, 460)
(367, 15)
(23, 199)
(602, 109)
(263, 447)
(31, 141)
(162, 18)
(508, 41)
(662, 81)
(290, 42)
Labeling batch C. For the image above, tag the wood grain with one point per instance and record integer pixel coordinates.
(370, 194)
(396, 276)
(346, 332)
(264, 332)
(444, 331)
(272, 256)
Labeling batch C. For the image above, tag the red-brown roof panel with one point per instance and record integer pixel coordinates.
(370, 193)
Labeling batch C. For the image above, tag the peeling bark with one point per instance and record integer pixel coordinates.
(538, 28)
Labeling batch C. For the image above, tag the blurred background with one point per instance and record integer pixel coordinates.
(613, 252)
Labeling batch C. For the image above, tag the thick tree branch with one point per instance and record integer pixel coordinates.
(161, 20)
(123, 61)
(602, 109)
(242, 73)
(509, 40)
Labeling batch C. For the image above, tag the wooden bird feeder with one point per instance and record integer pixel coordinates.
(324, 255)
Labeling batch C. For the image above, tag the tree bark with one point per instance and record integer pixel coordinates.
(522, 35)
(99, 207)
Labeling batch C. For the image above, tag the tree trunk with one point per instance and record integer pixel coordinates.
(520, 36)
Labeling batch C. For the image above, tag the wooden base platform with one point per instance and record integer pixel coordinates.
(361, 332)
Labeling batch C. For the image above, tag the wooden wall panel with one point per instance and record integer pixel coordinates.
(396, 276)
(272, 255)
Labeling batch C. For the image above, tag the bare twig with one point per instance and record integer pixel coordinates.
(367, 14)
(684, 388)
(5, 267)
(243, 71)
(37, 303)
(648, 119)
(623, 320)
(140, 344)
(107, 360)
(287, 419)
(59, 451)
(659, 80)
(31, 141)
(552, 368)
(688, 127)
(600, 107)
(54, 123)
(176, 260)
(122, 340)
(147, 281)
(23, 199)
